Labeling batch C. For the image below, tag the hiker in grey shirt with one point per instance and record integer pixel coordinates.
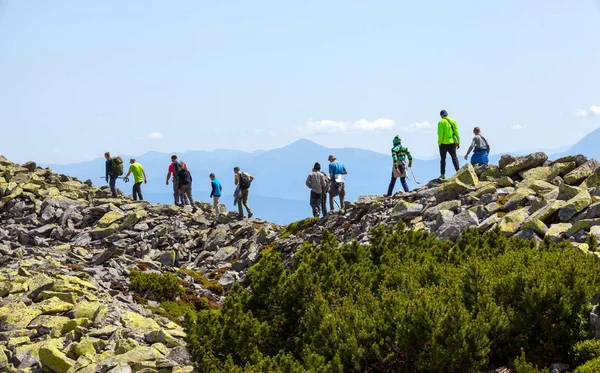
(480, 147)
(317, 182)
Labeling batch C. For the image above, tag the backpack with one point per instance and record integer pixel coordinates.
(244, 180)
(487, 144)
(116, 167)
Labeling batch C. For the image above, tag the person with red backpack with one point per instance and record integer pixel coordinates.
(114, 169)
(243, 181)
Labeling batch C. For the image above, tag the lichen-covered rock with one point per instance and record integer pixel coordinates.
(563, 168)
(517, 198)
(512, 221)
(575, 205)
(582, 172)
(536, 226)
(136, 321)
(467, 175)
(540, 173)
(524, 163)
(55, 360)
(17, 315)
(225, 254)
(404, 209)
(452, 189)
(557, 231)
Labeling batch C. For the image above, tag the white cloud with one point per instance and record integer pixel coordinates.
(517, 127)
(151, 136)
(595, 110)
(331, 126)
(417, 126)
(581, 113)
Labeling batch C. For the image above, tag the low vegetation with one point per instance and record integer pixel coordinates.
(407, 302)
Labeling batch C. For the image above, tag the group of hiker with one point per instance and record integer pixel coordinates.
(319, 183)
(448, 143)
(180, 177)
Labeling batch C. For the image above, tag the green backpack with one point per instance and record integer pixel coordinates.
(117, 166)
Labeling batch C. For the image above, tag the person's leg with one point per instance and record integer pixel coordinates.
(216, 205)
(188, 192)
(245, 201)
(443, 151)
(331, 189)
(342, 195)
(135, 191)
(176, 191)
(113, 182)
(404, 184)
(324, 203)
(392, 184)
(315, 202)
(182, 195)
(139, 191)
(240, 207)
(452, 151)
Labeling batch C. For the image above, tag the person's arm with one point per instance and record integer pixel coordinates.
(212, 192)
(127, 176)
(344, 170)
(455, 132)
(440, 132)
(169, 176)
(251, 177)
(409, 157)
(470, 148)
(395, 158)
(107, 168)
(308, 182)
(145, 179)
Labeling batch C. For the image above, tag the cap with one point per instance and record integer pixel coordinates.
(317, 166)
(331, 158)
(443, 113)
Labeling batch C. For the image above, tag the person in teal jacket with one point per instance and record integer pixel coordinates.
(448, 142)
(399, 156)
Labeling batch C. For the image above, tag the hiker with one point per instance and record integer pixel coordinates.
(336, 175)
(184, 183)
(399, 155)
(139, 176)
(317, 183)
(243, 180)
(114, 169)
(480, 147)
(448, 142)
(173, 172)
(215, 194)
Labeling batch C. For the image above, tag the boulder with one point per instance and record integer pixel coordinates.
(451, 230)
(556, 232)
(466, 175)
(512, 222)
(582, 172)
(452, 189)
(592, 181)
(540, 173)
(564, 168)
(525, 163)
(546, 213)
(225, 254)
(53, 359)
(404, 209)
(505, 181)
(536, 226)
(574, 206)
(579, 159)
(517, 199)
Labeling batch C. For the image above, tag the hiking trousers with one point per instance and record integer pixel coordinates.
(176, 191)
(342, 194)
(324, 202)
(316, 200)
(216, 204)
(112, 182)
(185, 192)
(244, 201)
(444, 149)
(137, 191)
(393, 183)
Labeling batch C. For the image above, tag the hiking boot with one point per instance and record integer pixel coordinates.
(442, 177)
(194, 209)
(239, 217)
(250, 215)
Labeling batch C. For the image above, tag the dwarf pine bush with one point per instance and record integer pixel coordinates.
(407, 302)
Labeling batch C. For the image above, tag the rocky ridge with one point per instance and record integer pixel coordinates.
(68, 252)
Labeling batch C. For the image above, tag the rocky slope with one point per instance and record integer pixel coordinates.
(68, 252)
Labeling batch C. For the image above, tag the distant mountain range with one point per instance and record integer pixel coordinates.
(279, 193)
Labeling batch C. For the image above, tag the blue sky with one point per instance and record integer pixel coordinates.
(78, 78)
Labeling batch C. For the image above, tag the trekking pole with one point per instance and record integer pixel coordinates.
(413, 175)
(119, 177)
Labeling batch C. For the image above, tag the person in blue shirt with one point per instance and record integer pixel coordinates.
(215, 194)
(336, 172)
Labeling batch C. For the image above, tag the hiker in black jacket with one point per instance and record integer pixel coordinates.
(184, 182)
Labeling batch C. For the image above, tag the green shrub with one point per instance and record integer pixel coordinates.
(162, 287)
(405, 303)
(300, 225)
(522, 366)
(592, 366)
(586, 350)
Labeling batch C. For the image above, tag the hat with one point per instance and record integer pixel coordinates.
(317, 166)
(397, 140)
(331, 158)
(443, 113)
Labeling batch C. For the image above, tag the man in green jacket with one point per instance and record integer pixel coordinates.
(448, 141)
